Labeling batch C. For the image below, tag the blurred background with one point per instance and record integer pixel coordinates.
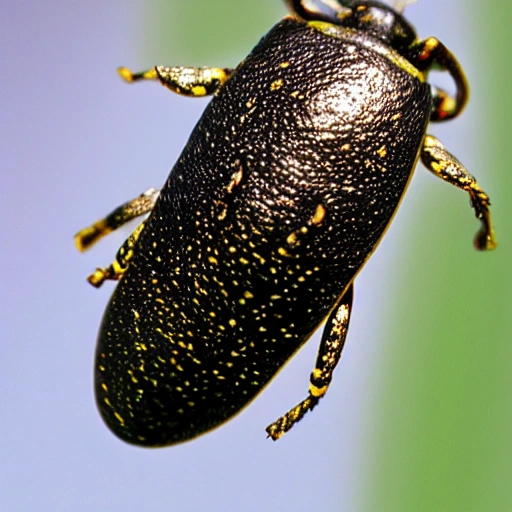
(418, 417)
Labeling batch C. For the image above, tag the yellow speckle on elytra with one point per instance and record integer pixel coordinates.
(291, 239)
(319, 215)
(277, 84)
(119, 418)
(283, 252)
(260, 258)
(382, 151)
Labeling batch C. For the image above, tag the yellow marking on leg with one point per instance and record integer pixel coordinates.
(199, 90)
(317, 392)
(192, 81)
(444, 165)
(88, 236)
(98, 277)
(130, 77)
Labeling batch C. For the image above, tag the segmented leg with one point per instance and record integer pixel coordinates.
(432, 54)
(88, 236)
(329, 353)
(188, 81)
(118, 268)
(443, 164)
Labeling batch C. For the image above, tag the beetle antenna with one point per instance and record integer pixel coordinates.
(319, 8)
(400, 5)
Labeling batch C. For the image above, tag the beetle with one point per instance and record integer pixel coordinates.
(282, 193)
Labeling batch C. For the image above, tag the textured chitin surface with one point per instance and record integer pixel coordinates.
(286, 185)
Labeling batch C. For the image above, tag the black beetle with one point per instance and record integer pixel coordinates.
(282, 193)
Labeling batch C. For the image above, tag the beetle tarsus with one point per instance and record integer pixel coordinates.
(100, 275)
(293, 416)
(130, 77)
(329, 354)
(443, 164)
(128, 211)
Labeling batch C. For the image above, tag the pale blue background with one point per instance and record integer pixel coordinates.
(76, 142)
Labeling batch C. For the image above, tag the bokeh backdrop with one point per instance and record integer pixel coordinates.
(418, 417)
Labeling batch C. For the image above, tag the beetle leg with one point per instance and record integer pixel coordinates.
(122, 260)
(443, 164)
(188, 81)
(432, 54)
(88, 236)
(329, 353)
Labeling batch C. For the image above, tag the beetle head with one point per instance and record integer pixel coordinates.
(375, 18)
